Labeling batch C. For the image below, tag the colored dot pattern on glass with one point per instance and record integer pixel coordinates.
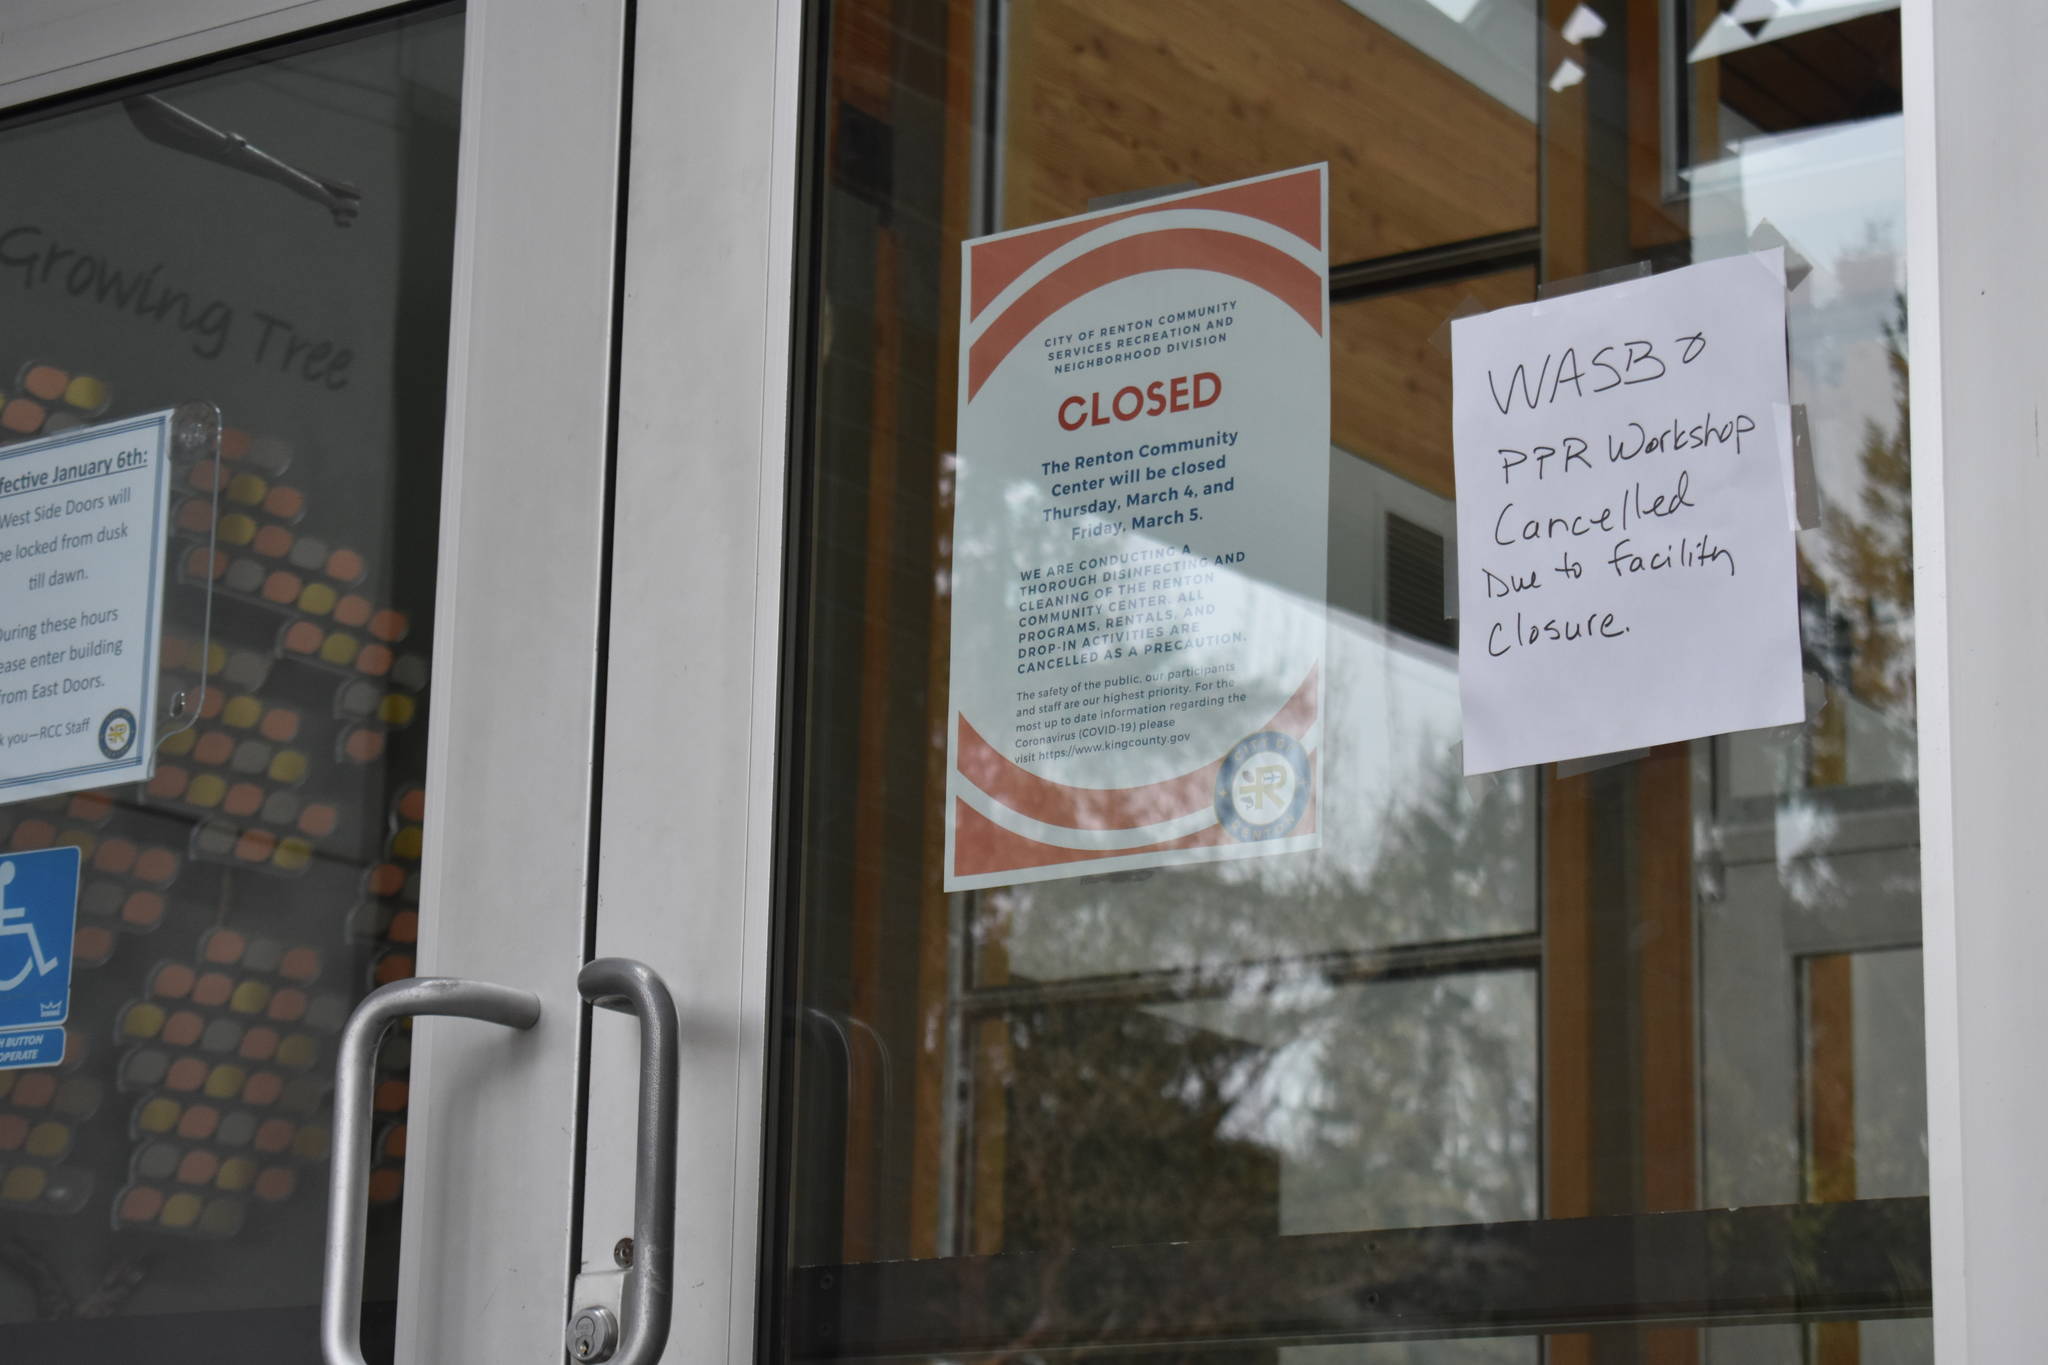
(263, 878)
(41, 1115)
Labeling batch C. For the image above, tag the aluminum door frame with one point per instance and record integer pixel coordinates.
(688, 783)
(491, 1151)
(688, 795)
(492, 1133)
(1979, 294)
(52, 47)
(688, 787)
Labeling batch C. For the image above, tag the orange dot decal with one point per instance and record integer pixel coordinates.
(23, 416)
(45, 382)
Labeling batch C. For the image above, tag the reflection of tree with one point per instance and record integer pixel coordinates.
(1283, 1092)
(1856, 587)
(1873, 551)
(1125, 1127)
(1468, 843)
(1856, 578)
(1411, 853)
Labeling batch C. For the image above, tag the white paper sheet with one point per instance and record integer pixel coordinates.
(1626, 568)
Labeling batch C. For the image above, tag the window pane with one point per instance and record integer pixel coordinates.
(1426, 111)
(1504, 1058)
(235, 907)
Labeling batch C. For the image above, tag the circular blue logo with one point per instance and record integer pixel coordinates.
(117, 733)
(1263, 787)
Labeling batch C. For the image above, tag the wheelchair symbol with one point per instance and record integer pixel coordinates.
(14, 924)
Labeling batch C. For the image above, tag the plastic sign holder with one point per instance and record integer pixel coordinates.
(189, 660)
(101, 595)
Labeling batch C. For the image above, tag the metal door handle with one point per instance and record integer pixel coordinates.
(341, 1284)
(619, 983)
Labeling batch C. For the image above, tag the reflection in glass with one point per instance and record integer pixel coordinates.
(1604, 1008)
(272, 236)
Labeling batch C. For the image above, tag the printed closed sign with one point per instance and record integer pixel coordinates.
(1139, 537)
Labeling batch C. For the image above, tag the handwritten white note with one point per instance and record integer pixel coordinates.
(1626, 566)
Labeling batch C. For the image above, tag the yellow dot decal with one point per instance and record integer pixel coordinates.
(85, 392)
(317, 600)
(242, 712)
(236, 528)
(181, 1211)
(157, 1116)
(247, 489)
(339, 648)
(288, 766)
(143, 1020)
(23, 1183)
(226, 1082)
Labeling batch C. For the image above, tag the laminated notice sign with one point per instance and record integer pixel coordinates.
(1140, 536)
(81, 602)
(1626, 558)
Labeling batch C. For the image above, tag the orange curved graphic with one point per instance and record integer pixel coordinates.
(1056, 803)
(1226, 253)
(981, 846)
(1292, 203)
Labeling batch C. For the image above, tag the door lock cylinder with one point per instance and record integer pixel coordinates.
(593, 1335)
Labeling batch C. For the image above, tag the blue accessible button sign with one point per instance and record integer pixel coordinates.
(31, 1047)
(38, 914)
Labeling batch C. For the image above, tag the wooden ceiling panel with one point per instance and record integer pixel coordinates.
(1109, 97)
(1390, 386)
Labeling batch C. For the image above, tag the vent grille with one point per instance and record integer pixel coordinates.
(1415, 582)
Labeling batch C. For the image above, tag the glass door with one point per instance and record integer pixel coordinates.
(1608, 1061)
(369, 266)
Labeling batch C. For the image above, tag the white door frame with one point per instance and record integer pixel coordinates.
(494, 1135)
(696, 626)
(1978, 292)
(695, 856)
(696, 599)
(484, 1276)
(52, 47)
(686, 870)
